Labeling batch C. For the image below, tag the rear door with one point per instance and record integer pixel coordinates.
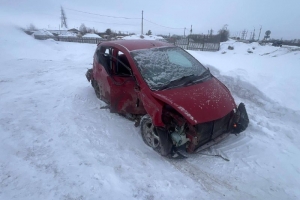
(102, 71)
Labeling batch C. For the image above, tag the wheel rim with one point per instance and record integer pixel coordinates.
(151, 138)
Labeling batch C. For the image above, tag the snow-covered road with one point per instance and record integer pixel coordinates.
(56, 142)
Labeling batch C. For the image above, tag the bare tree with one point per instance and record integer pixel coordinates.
(224, 33)
(83, 29)
(149, 32)
(31, 27)
(108, 31)
(211, 32)
(267, 34)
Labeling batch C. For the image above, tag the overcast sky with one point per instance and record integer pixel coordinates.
(282, 18)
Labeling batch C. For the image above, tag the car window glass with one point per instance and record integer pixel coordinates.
(104, 58)
(161, 66)
(123, 66)
(178, 59)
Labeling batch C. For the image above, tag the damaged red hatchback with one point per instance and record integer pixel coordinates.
(178, 103)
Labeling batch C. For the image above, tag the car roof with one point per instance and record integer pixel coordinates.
(132, 45)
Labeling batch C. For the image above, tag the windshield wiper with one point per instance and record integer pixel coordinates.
(176, 83)
(200, 78)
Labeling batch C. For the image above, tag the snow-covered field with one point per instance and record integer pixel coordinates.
(56, 142)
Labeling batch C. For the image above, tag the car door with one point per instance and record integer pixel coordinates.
(102, 71)
(124, 92)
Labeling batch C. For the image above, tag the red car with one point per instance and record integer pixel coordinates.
(179, 104)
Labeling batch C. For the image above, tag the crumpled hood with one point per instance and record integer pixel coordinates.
(199, 103)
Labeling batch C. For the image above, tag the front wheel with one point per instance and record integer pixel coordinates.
(149, 135)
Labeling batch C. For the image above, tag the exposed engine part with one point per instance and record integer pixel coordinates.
(179, 137)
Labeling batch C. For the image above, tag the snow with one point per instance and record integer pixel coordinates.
(273, 70)
(91, 35)
(142, 37)
(43, 32)
(56, 142)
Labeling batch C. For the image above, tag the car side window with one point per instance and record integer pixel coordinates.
(104, 55)
(123, 67)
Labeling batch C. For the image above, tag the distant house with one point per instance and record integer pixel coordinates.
(106, 36)
(67, 33)
(74, 30)
(91, 35)
(58, 32)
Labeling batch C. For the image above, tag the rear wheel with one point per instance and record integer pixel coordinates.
(96, 88)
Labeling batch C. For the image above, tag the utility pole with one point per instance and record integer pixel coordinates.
(184, 32)
(142, 22)
(259, 33)
(191, 31)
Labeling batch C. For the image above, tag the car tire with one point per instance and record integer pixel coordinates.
(149, 134)
(96, 88)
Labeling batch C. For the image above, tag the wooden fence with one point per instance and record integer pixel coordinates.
(70, 39)
(199, 44)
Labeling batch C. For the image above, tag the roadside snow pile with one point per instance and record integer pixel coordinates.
(56, 142)
(142, 37)
(91, 35)
(42, 32)
(273, 70)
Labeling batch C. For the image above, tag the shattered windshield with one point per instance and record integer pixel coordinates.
(167, 67)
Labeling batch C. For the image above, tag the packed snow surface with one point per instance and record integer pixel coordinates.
(56, 142)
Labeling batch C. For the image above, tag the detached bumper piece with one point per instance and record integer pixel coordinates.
(89, 74)
(241, 120)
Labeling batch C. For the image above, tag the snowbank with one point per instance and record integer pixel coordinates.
(273, 70)
(42, 32)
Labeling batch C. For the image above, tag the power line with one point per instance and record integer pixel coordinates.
(104, 22)
(76, 19)
(161, 25)
(102, 15)
(121, 17)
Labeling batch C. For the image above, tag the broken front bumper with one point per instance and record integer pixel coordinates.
(89, 74)
(240, 119)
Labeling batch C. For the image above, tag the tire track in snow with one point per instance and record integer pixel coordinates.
(209, 182)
